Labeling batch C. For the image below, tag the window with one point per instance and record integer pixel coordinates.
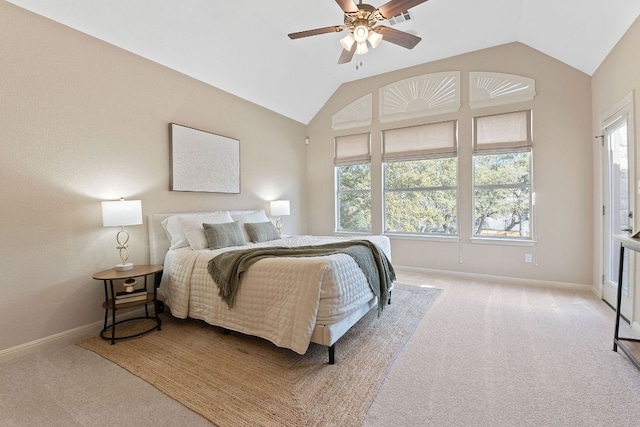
(502, 175)
(420, 179)
(353, 182)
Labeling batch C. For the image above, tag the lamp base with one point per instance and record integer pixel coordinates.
(124, 267)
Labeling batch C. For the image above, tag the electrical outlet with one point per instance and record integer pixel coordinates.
(527, 257)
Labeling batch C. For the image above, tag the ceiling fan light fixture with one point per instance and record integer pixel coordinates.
(360, 32)
(374, 38)
(348, 41)
(362, 48)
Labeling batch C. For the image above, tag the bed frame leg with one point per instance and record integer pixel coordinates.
(332, 354)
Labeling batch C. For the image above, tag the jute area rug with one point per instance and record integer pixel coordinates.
(239, 380)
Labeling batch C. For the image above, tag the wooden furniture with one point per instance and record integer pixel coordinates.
(629, 346)
(109, 277)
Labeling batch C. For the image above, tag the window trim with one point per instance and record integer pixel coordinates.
(497, 148)
(339, 192)
(419, 155)
(361, 158)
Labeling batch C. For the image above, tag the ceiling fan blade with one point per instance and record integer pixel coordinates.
(317, 31)
(347, 6)
(347, 55)
(397, 37)
(394, 7)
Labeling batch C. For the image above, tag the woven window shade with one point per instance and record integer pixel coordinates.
(353, 149)
(502, 132)
(420, 142)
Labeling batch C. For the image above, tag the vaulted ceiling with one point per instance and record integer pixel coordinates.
(241, 46)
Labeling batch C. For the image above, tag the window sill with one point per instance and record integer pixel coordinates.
(502, 242)
(351, 233)
(430, 237)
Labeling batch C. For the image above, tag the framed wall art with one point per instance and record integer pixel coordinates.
(203, 161)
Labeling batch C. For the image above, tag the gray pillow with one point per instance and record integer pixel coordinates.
(262, 231)
(224, 235)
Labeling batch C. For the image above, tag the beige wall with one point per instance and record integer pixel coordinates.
(562, 166)
(617, 77)
(83, 121)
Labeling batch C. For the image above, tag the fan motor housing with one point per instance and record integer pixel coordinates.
(366, 13)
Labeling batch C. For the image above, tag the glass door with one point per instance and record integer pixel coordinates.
(617, 210)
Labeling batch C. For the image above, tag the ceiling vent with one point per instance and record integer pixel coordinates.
(401, 17)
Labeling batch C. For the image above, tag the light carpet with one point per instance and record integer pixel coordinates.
(238, 380)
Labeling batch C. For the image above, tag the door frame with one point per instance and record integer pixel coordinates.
(623, 108)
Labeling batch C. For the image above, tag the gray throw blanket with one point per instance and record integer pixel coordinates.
(225, 269)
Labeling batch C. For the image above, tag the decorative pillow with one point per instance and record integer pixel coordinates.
(190, 226)
(249, 217)
(224, 235)
(262, 231)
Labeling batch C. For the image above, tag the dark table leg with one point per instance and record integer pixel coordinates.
(620, 270)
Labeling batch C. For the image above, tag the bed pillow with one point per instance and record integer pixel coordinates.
(224, 235)
(191, 225)
(173, 229)
(249, 217)
(262, 231)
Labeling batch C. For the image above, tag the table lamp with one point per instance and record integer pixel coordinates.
(118, 214)
(279, 208)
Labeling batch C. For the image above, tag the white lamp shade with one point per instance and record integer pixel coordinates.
(280, 207)
(362, 48)
(348, 41)
(121, 213)
(374, 38)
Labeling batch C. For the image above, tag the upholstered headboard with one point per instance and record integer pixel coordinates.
(158, 240)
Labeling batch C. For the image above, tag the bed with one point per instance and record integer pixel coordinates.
(291, 302)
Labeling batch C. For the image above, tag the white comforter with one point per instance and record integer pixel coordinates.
(279, 299)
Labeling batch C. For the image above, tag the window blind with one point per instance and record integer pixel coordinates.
(420, 142)
(502, 132)
(352, 149)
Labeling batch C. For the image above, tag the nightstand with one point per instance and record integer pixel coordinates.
(113, 302)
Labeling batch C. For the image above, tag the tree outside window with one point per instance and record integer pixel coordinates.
(354, 197)
(421, 196)
(503, 195)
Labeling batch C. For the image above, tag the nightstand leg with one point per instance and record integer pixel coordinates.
(113, 314)
(156, 305)
(146, 306)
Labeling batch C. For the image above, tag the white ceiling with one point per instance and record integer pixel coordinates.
(241, 46)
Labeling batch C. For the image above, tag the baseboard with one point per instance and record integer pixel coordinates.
(70, 335)
(503, 279)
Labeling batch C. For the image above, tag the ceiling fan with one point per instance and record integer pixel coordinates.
(361, 20)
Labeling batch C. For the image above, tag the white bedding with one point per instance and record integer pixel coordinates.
(279, 299)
